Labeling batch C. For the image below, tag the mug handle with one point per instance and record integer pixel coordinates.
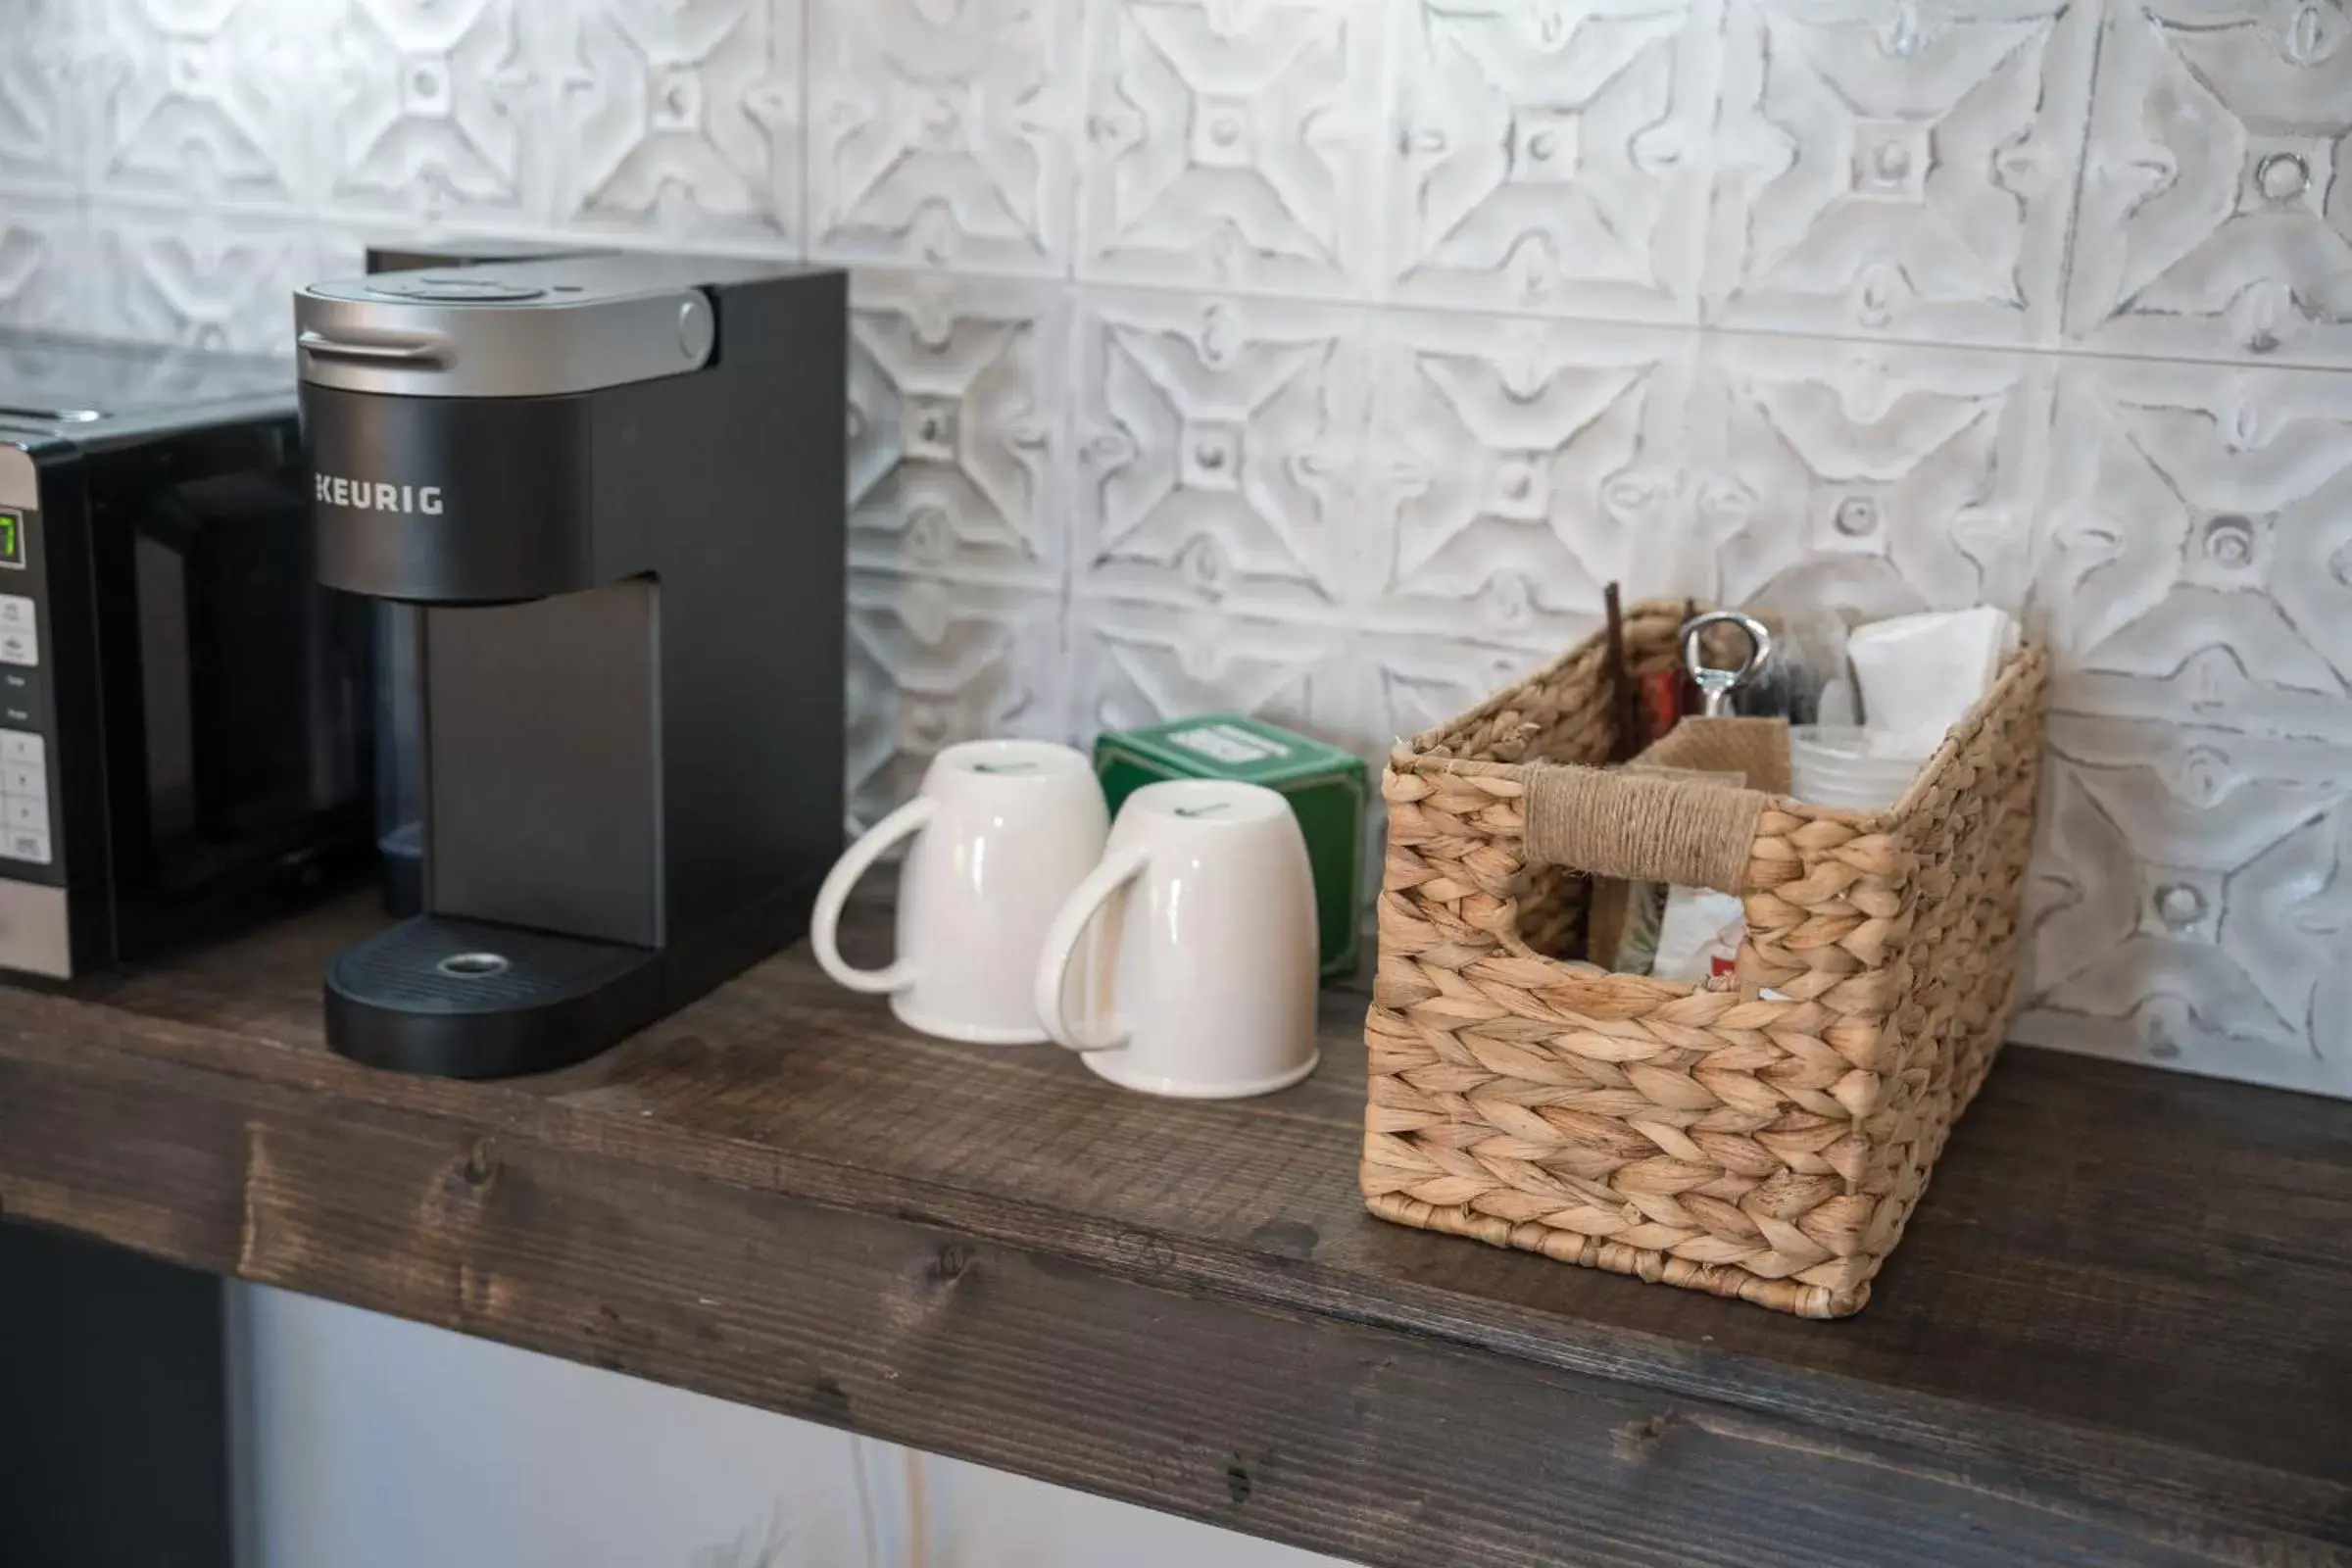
(1117, 868)
(824, 921)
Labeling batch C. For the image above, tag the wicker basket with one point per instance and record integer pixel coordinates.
(1764, 1135)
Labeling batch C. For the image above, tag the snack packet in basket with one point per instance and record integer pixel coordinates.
(1626, 932)
(1698, 935)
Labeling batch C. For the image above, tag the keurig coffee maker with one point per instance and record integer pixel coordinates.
(615, 483)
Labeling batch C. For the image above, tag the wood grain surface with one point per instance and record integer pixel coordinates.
(2120, 1329)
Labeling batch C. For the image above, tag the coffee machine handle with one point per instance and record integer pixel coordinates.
(427, 350)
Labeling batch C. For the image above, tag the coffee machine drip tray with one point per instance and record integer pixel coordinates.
(467, 999)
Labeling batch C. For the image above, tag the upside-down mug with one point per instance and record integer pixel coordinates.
(1003, 831)
(1194, 946)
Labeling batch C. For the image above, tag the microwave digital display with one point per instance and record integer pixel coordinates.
(12, 539)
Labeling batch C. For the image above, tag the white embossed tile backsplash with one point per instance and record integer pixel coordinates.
(1325, 357)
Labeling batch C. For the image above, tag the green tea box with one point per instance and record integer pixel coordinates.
(1327, 788)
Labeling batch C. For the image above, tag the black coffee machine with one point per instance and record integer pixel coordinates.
(615, 483)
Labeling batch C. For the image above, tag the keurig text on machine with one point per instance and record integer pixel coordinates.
(361, 495)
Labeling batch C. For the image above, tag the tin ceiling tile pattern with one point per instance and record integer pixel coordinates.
(1879, 478)
(2217, 197)
(1137, 663)
(2193, 892)
(213, 101)
(1323, 356)
(680, 118)
(2191, 901)
(2199, 551)
(1517, 467)
(1231, 144)
(44, 90)
(940, 132)
(441, 112)
(1892, 169)
(957, 439)
(1551, 158)
(45, 261)
(1215, 443)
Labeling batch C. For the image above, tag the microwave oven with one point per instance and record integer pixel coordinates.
(185, 713)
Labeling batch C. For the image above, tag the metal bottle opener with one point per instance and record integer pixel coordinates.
(1716, 684)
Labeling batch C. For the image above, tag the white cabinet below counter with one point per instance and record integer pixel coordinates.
(366, 1441)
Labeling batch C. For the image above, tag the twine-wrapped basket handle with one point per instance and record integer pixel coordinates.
(1643, 828)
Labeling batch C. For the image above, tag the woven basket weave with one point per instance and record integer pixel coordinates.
(1764, 1146)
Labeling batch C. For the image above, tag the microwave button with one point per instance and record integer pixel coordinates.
(17, 844)
(20, 705)
(19, 613)
(30, 783)
(20, 815)
(18, 648)
(21, 750)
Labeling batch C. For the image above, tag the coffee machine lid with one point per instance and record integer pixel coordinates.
(535, 329)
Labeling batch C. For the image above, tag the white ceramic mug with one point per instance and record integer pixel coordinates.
(1201, 972)
(1003, 831)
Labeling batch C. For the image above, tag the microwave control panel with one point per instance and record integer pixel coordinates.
(28, 771)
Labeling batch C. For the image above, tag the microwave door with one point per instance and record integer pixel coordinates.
(251, 675)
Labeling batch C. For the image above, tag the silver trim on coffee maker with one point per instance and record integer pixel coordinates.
(514, 330)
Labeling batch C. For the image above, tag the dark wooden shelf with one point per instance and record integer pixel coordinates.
(2119, 1331)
